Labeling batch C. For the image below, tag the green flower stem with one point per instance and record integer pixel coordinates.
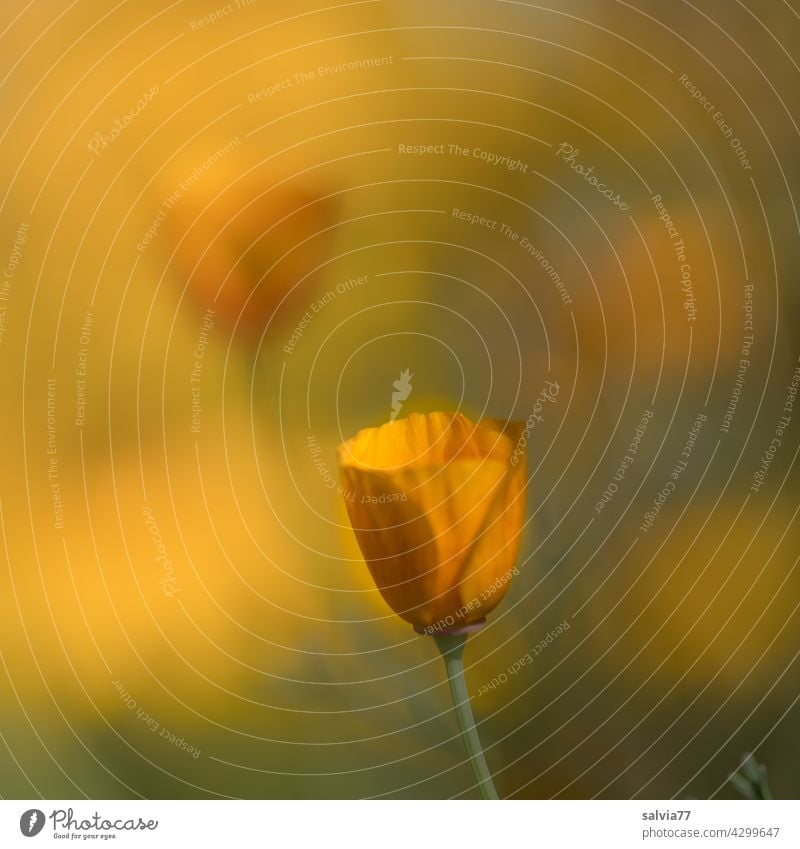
(452, 648)
(751, 780)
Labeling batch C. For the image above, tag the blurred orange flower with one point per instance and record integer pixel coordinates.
(243, 244)
(437, 505)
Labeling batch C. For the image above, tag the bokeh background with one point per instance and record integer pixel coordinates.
(219, 251)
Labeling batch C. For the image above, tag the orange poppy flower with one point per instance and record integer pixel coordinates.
(437, 505)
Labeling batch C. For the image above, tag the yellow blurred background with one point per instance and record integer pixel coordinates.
(228, 228)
